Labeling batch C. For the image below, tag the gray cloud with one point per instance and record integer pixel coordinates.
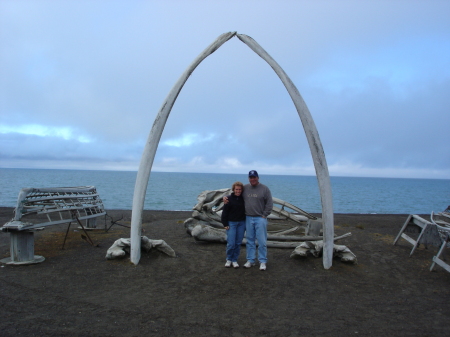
(375, 75)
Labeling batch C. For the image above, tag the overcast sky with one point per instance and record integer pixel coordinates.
(82, 81)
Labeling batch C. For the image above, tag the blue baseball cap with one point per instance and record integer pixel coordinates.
(253, 173)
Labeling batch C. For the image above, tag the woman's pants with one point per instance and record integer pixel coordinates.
(235, 234)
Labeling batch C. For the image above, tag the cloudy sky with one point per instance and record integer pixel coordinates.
(82, 81)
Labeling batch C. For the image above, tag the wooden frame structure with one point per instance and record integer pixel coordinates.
(428, 234)
(444, 230)
(435, 232)
(40, 207)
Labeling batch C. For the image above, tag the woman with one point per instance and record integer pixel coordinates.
(233, 219)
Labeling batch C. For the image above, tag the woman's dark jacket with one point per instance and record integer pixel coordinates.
(234, 210)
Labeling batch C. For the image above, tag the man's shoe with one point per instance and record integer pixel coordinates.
(262, 266)
(235, 265)
(228, 264)
(248, 264)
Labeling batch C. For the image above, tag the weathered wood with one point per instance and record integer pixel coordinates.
(442, 263)
(444, 232)
(441, 218)
(314, 227)
(22, 246)
(428, 233)
(60, 205)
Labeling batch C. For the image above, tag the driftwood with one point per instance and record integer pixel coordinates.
(315, 248)
(121, 247)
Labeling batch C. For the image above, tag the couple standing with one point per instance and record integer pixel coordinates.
(247, 209)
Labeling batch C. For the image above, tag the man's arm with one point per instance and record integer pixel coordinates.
(225, 200)
(224, 217)
(269, 203)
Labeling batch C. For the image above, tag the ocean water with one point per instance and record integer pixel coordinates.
(179, 191)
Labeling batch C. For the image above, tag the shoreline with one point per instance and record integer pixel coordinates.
(164, 210)
(77, 292)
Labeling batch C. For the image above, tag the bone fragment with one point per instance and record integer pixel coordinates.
(293, 207)
(315, 248)
(218, 200)
(208, 233)
(207, 197)
(284, 231)
(202, 232)
(302, 237)
(286, 215)
(207, 217)
(121, 246)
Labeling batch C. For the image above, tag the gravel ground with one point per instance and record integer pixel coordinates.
(77, 292)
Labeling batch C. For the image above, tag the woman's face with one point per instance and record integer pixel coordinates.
(237, 190)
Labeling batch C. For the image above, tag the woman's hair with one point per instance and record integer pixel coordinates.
(237, 183)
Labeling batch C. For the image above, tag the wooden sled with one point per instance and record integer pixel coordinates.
(428, 233)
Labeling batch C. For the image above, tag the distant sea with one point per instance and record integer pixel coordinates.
(179, 191)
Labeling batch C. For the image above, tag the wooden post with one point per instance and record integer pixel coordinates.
(22, 249)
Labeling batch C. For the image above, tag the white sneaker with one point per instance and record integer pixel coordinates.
(262, 266)
(228, 264)
(235, 265)
(248, 264)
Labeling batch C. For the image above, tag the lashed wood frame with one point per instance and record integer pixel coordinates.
(309, 127)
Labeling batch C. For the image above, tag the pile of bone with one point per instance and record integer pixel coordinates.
(205, 225)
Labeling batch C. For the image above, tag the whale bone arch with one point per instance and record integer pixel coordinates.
(309, 127)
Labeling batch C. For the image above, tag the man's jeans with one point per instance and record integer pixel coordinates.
(256, 229)
(235, 234)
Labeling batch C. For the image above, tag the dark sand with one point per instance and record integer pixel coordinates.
(76, 292)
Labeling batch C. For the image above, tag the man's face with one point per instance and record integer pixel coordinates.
(253, 181)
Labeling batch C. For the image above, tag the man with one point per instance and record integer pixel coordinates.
(258, 206)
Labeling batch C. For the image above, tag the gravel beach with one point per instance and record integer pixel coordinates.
(77, 292)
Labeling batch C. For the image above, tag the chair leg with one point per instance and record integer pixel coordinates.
(438, 255)
(418, 240)
(403, 229)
